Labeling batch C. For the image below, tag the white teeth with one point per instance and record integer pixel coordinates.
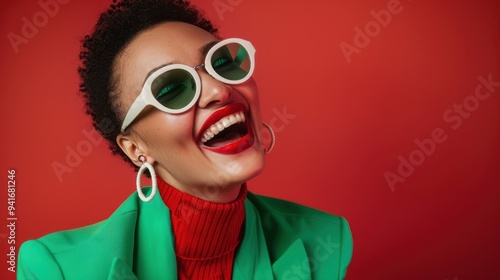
(222, 124)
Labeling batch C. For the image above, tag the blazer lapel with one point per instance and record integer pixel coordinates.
(120, 271)
(252, 259)
(294, 262)
(152, 248)
(154, 256)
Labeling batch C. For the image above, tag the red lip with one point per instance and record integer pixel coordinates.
(219, 114)
(237, 146)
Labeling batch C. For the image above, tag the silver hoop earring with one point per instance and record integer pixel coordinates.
(154, 186)
(273, 137)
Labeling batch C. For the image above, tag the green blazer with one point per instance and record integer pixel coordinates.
(282, 240)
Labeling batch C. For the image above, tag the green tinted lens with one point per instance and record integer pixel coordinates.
(174, 89)
(231, 61)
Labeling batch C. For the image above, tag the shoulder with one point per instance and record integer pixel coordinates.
(290, 213)
(327, 238)
(49, 256)
(61, 241)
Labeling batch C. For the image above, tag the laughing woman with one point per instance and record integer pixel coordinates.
(185, 110)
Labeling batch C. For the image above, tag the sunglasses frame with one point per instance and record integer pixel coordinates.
(146, 97)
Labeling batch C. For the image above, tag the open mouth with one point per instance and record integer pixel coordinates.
(227, 131)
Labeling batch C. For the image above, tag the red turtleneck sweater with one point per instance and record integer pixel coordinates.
(206, 233)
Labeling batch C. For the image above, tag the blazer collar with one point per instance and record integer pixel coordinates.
(294, 262)
(154, 255)
(120, 270)
(153, 250)
(252, 259)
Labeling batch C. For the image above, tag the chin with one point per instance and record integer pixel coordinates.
(251, 167)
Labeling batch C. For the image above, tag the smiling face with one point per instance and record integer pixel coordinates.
(208, 150)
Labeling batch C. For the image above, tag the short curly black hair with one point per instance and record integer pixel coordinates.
(113, 31)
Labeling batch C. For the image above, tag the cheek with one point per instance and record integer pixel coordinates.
(250, 92)
(160, 129)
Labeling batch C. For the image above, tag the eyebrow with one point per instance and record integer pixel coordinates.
(158, 67)
(203, 50)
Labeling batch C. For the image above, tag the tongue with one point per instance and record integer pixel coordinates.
(221, 141)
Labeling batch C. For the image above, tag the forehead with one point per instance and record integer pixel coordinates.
(168, 41)
(164, 43)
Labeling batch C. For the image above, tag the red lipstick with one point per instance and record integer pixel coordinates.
(235, 118)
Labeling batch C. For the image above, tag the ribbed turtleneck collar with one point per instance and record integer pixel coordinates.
(206, 233)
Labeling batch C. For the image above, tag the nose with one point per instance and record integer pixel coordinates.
(213, 91)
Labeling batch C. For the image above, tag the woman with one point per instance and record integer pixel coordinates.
(184, 107)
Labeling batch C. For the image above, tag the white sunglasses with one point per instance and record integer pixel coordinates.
(175, 88)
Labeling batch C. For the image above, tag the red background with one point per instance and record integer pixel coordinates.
(352, 121)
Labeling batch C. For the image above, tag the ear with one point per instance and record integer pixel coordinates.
(132, 147)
